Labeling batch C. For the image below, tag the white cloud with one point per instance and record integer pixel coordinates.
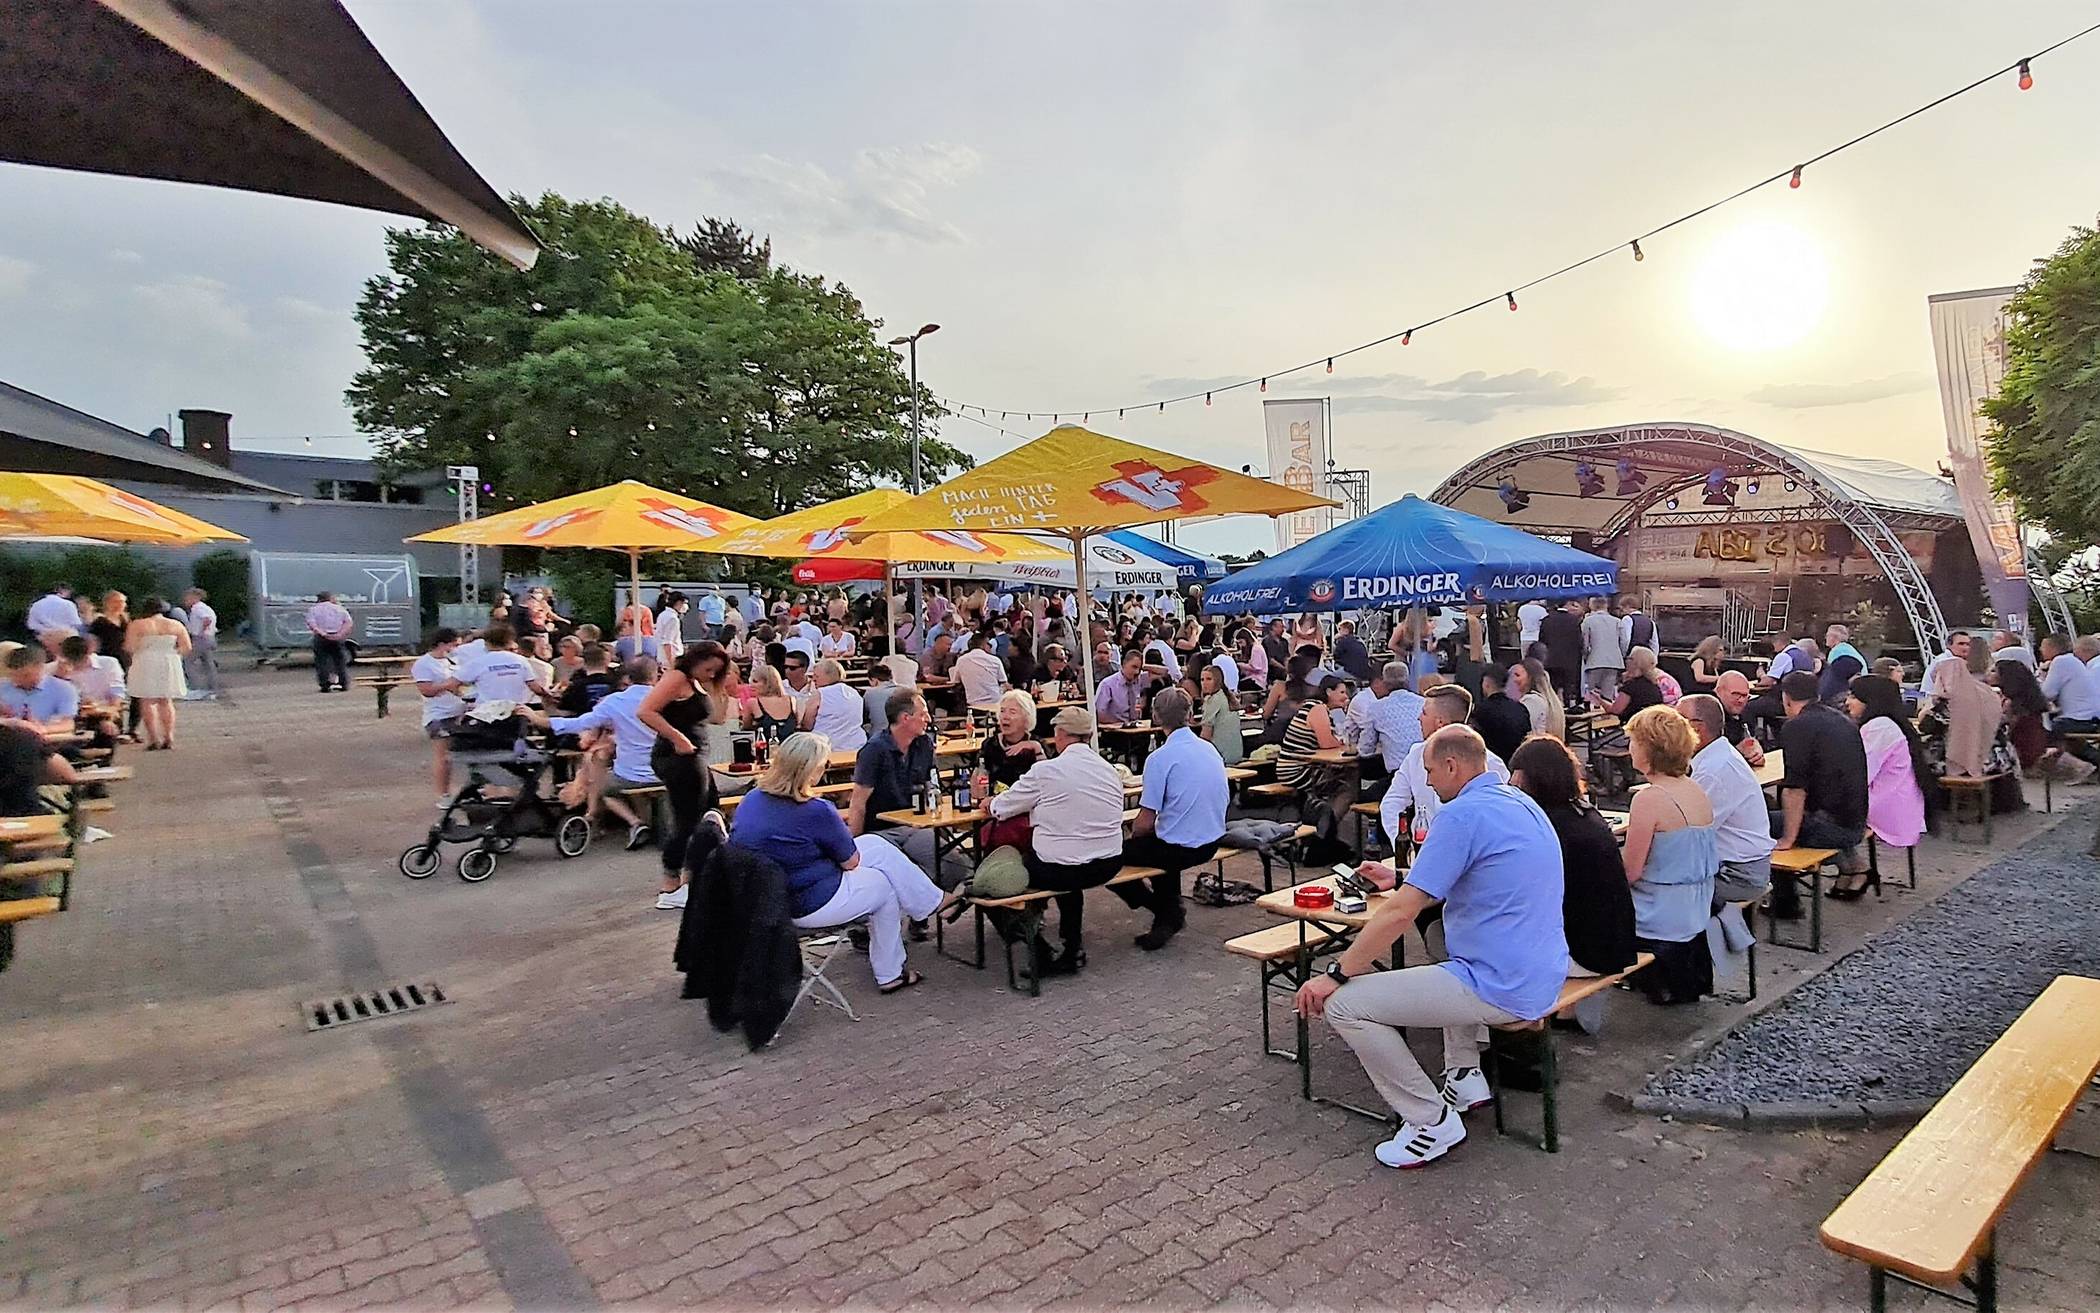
(194, 308)
(14, 275)
(1472, 397)
(889, 191)
(123, 256)
(1807, 396)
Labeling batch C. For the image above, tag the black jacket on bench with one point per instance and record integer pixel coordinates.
(737, 945)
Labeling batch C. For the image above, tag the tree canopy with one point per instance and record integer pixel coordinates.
(629, 351)
(2044, 450)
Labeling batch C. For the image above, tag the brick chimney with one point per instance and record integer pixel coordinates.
(206, 434)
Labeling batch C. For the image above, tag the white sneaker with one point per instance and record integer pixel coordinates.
(1419, 1146)
(1465, 1088)
(671, 902)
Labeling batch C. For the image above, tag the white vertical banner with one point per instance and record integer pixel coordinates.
(1968, 342)
(1297, 433)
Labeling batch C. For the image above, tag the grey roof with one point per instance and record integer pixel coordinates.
(287, 97)
(40, 436)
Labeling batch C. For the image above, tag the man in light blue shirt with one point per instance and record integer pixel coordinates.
(1390, 724)
(632, 743)
(712, 612)
(753, 608)
(1181, 816)
(2073, 693)
(1493, 859)
(32, 694)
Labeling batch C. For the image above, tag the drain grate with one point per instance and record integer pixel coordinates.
(370, 1005)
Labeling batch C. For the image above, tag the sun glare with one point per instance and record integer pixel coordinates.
(1761, 287)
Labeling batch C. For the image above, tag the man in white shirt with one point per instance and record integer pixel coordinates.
(1391, 726)
(55, 610)
(442, 706)
(1528, 617)
(670, 630)
(1160, 656)
(1229, 671)
(203, 660)
(2074, 693)
(330, 624)
(499, 674)
(838, 641)
(2086, 648)
(1075, 802)
(1742, 822)
(1411, 800)
(983, 678)
(836, 711)
(807, 630)
(904, 672)
(1956, 655)
(794, 671)
(2009, 646)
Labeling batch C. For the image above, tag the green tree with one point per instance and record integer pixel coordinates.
(692, 363)
(2044, 449)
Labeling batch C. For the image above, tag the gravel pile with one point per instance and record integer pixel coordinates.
(1904, 1016)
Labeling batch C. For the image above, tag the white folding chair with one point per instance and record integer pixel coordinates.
(818, 951)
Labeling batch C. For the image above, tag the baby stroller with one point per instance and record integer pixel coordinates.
(497, 757)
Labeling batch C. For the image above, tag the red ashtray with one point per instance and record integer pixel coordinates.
(1313, 895)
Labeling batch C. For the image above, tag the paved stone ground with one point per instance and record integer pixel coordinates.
(1906, 1015)
(566, 1132)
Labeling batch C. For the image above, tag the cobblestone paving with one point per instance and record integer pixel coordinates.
(567, 1132)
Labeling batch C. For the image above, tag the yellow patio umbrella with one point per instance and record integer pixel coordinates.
(831, 531)
(1073, 482)
(627, 516)
(71, 506)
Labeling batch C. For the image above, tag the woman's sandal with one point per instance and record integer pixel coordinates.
(905, 981)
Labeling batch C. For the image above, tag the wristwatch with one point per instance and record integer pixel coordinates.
(1336, 974)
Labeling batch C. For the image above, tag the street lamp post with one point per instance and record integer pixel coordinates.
(911, 343)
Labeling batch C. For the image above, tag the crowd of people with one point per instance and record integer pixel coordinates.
(1462, 740)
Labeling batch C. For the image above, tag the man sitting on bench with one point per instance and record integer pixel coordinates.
(1181, 816)
(1494, 860)
(1823, 799)
(1074, 802)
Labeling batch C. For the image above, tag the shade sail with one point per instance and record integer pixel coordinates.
(287, 97)
(625, 516)
(1412, 553)
(1110, 567)
(67, 505)
(832, 531)
(1193, 567)
(1074, 480)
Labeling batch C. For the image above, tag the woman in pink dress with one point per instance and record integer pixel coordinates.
(1896, 769)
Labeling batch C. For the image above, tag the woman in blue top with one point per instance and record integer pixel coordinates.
(833, 879)
(1671, 860)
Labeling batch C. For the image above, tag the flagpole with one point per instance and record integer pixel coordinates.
(1083, 603)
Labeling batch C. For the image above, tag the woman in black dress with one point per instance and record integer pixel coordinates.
(677, 708)
(1596, 901)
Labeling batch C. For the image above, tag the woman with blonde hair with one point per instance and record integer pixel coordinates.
(1706, 664)
(834, 879)
(157, 644)
(1533, 686)
(1670, 856)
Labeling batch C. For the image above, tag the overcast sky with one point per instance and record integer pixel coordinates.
(1100, 203)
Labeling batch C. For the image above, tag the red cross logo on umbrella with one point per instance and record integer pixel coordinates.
(1144, 484)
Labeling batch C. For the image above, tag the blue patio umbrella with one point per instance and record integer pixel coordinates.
(1412, 553)
(1191, 567)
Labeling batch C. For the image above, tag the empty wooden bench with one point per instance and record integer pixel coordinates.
(1270, 794)
(1929, 1212)
(1964, 791)
(1033, 900)
(1574, 991)
(1276, 951)
(1807, 865)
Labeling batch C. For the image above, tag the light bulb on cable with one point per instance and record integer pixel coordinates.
(1330, 364)
(1795, 181)
(1637, 251)
(2026, 78)
(1206, 398)
(1265, 385)
(1511, 297)
(1407, 337)
(572, 430)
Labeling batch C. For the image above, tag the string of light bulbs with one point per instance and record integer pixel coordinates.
(2020, 68)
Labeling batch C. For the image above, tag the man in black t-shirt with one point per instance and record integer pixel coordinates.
(1502, 721)
(588, 686)
(1823, 799)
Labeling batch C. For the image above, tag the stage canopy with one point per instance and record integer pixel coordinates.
(1590, 485)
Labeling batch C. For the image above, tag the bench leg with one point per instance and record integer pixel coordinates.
(1549, 1079)
(1877, 1290)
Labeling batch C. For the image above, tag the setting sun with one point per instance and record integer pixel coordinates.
(1762, 286)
